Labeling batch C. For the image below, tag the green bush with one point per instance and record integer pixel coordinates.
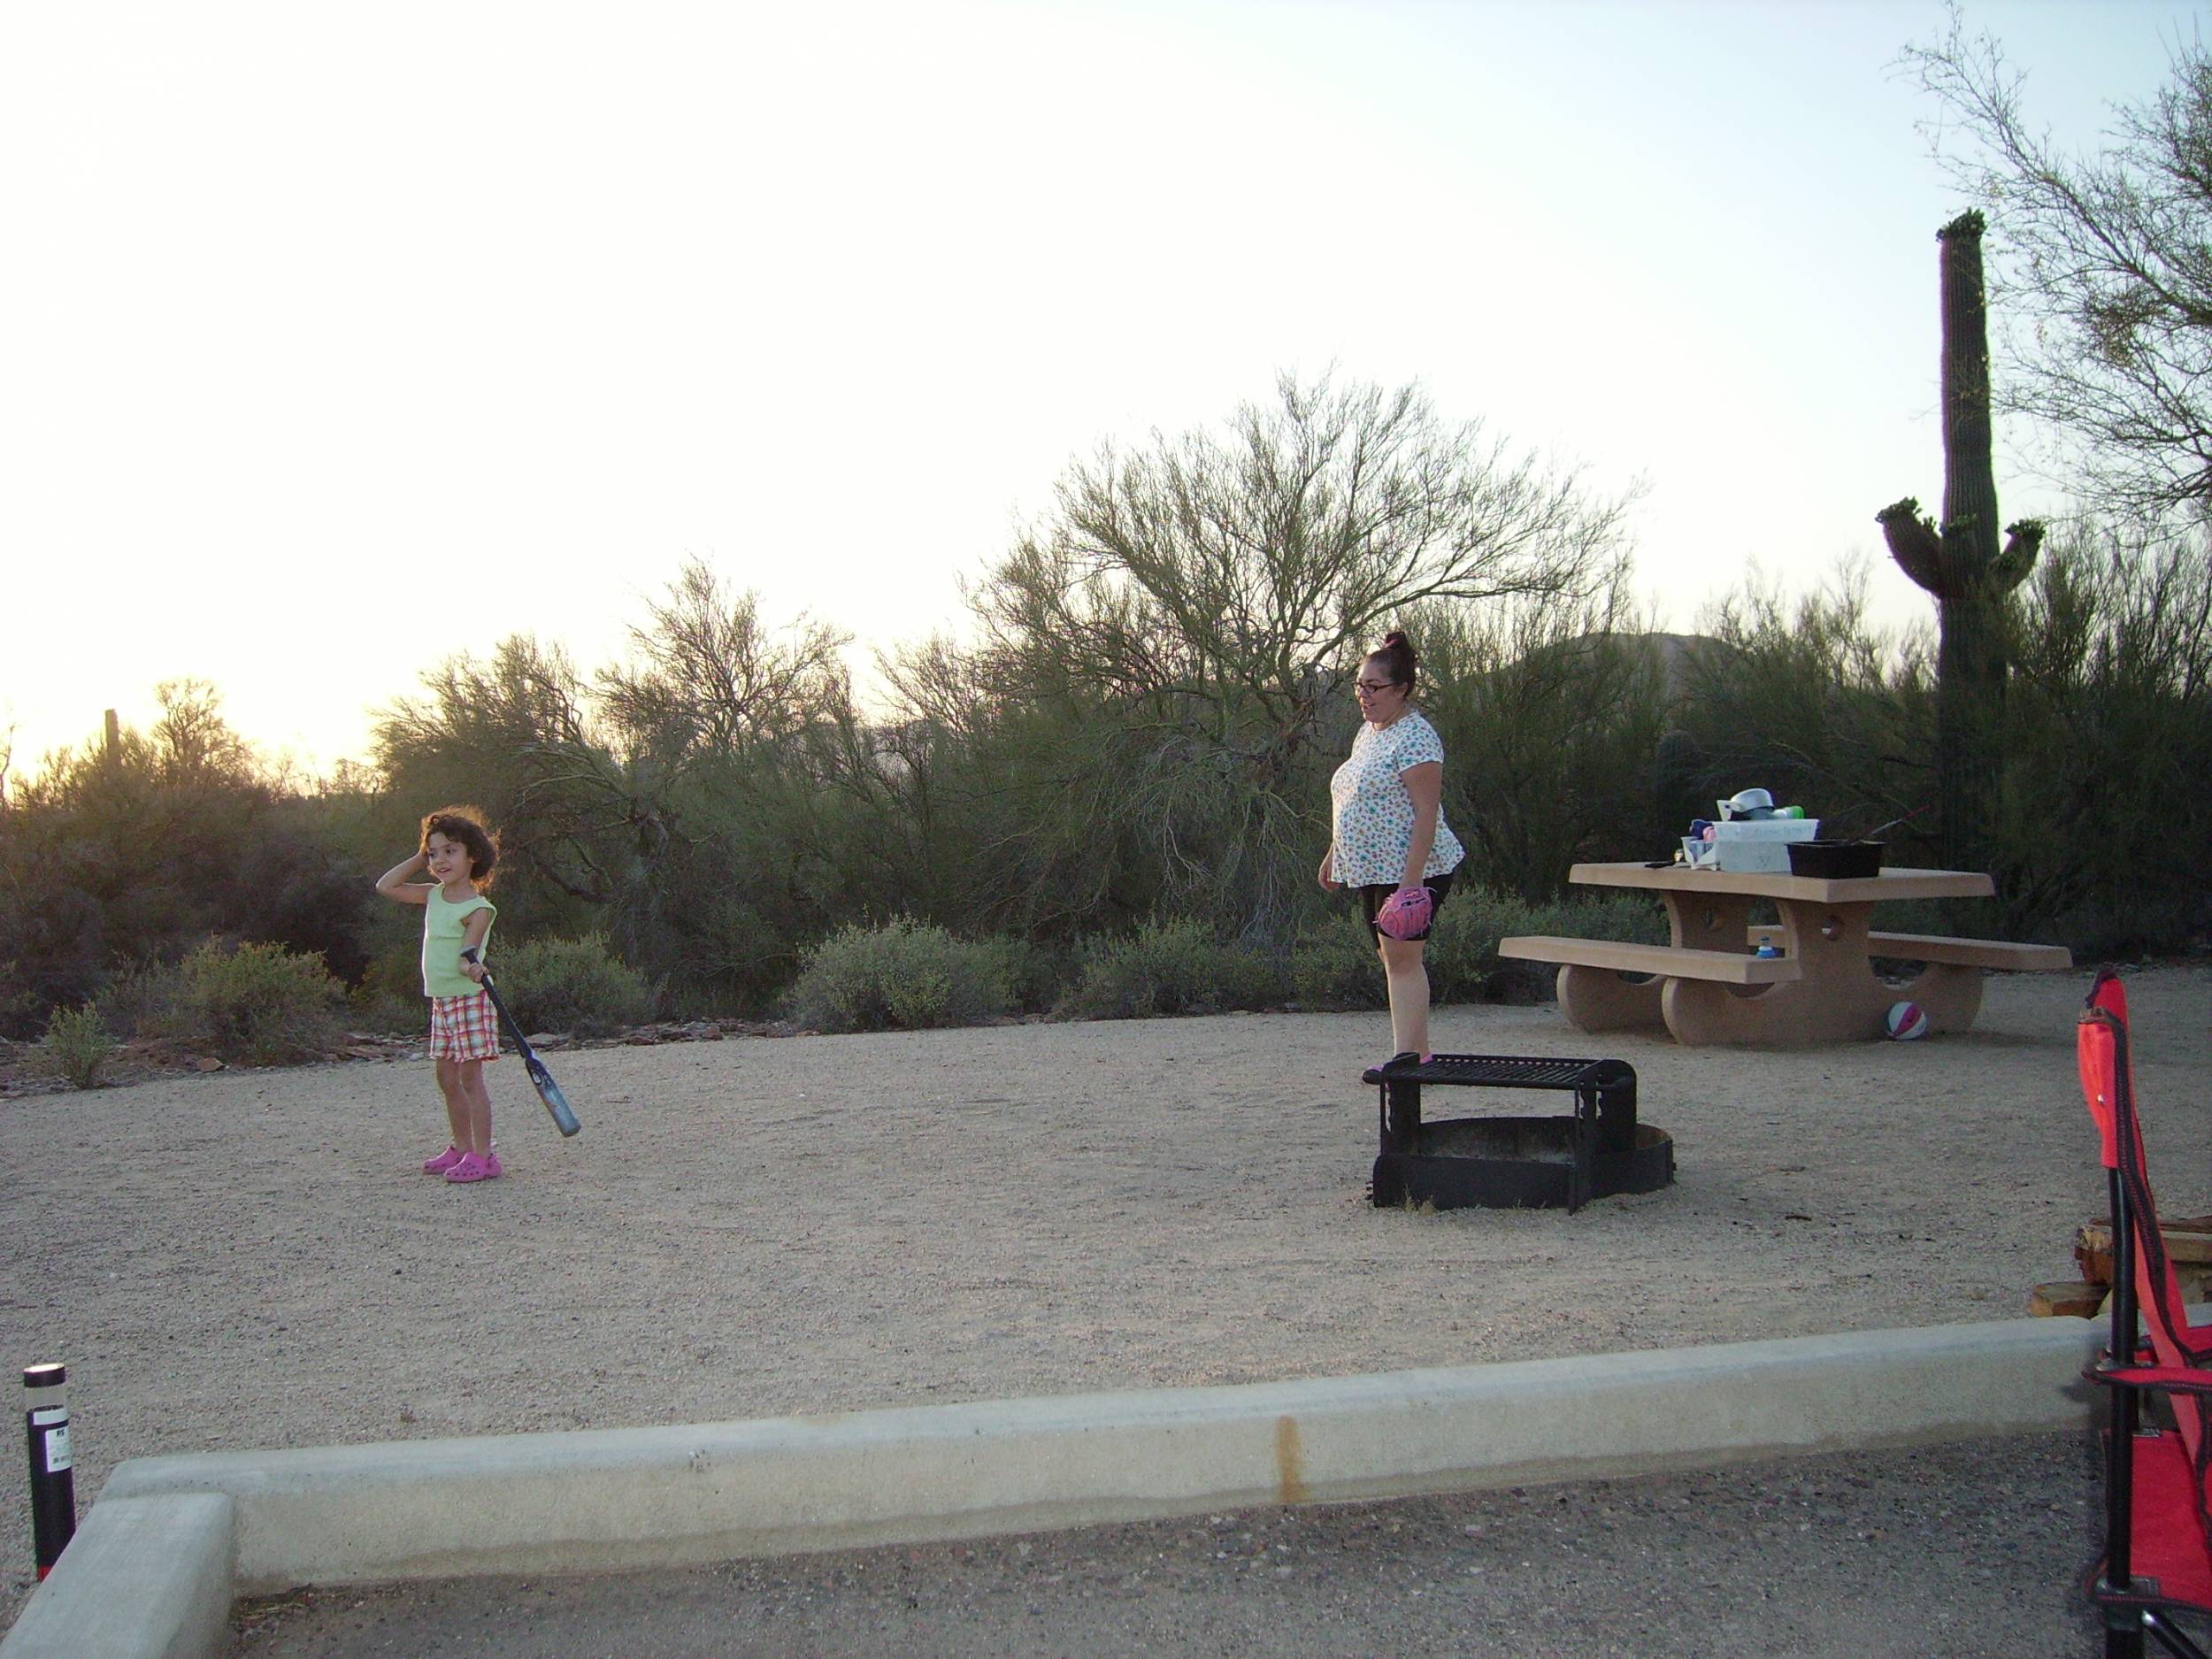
(133, 1000)
(1169, 968)
(575, 986)
(20, 1007)
(1336, 967)
(78, 1045)
(389, 996)
(252, 1005)
(1023, 978)
(904, 975)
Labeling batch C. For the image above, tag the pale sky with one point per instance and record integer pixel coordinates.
(338, 340)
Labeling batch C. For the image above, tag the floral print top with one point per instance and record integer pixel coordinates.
(1373, 811)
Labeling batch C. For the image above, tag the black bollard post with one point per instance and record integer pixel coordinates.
(53, 1485)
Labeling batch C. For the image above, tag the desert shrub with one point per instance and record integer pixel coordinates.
(1552, 720)
(1167, 968)
(904, 975)
(20, 1007)
(2109, 736)
(253, 1004)
(77, 1045)
(1023, 977)
(1334, 967)
(389, 996)
(575, 986)
(127, 852)
(136, 999)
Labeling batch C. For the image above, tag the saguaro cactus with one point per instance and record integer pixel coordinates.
(1961, 563)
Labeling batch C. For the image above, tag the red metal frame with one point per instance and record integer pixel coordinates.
(2158, 1526)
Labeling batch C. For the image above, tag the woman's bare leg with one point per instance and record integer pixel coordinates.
(1407, 977)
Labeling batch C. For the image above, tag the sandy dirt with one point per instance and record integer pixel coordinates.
(752, 1227)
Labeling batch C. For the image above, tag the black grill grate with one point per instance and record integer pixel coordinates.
(1500, 1070)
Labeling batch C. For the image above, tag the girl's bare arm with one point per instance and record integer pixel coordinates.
(472, 932)
(393, 884)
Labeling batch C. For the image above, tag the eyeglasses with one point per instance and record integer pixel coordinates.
(1374, 689)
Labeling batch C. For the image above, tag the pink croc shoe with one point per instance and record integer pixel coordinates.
(444, 1161)
(1405, 914)
(470, 1168)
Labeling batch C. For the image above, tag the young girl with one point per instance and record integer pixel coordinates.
(459, 852)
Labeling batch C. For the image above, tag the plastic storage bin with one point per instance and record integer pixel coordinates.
(1761, 846)
(1838, 861)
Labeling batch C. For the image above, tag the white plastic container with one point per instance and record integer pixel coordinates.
(1761, 846)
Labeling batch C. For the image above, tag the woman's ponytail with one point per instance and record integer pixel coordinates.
(1395, 653)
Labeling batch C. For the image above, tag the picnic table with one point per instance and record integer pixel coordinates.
(1709, 986)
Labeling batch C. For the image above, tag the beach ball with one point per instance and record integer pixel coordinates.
(1905, 1021)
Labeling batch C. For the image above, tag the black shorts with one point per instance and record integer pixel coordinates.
(1373, 899)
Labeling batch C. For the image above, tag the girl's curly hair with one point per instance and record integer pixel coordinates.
(466, 825)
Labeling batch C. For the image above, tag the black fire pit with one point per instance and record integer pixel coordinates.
(1516, 1162)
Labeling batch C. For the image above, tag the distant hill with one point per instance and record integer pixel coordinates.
(1675, 655)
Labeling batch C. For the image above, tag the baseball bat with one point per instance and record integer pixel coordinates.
(541, 1080)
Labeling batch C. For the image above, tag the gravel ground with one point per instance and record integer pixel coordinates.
(755, 1227)
(1951, 1552)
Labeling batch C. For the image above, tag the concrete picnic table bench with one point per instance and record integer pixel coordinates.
(1707, 986)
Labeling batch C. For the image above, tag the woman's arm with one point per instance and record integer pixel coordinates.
(1425, 784)
(393, 884)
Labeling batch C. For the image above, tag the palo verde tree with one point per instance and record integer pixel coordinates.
(1194, 607)
(1961, 562)
(2098, 268)
(672, 800)
(709, 677)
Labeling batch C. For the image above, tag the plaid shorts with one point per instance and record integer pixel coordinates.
(462, 1028)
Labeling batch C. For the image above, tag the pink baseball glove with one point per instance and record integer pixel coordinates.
(1406, 912)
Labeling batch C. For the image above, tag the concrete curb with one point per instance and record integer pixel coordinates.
(143, 1579)
(625, 1498)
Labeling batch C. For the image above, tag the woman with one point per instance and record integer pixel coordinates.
(1389, 834)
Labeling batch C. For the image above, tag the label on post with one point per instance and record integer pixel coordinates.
(51, 1426)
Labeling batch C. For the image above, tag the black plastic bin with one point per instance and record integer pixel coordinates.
(1835, 860)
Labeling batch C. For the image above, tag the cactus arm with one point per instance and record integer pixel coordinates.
(2022, 542)
(1913, 543)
